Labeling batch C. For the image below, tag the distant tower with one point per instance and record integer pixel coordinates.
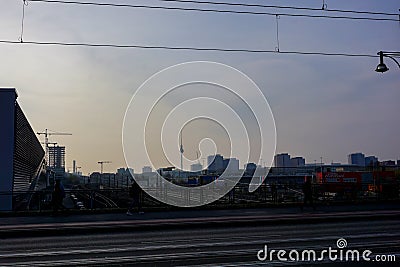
(181, 151)
(74, 166)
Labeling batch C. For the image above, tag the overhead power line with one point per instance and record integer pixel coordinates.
(280, 7)
(211, 10)
(187, 48)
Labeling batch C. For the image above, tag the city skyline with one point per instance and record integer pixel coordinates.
(242, 166)
(323, 106)
(199, 133)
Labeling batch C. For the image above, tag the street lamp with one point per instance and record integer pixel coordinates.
(382, 66)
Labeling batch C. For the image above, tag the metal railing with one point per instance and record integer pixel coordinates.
(266, 194)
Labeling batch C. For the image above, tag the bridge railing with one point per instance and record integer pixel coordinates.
(266, 194)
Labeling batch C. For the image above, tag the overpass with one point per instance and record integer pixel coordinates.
(190, 237)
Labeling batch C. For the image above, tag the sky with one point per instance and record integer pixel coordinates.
(323, 106)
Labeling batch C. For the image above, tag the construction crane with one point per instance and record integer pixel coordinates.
(46, 139)
(101, 165)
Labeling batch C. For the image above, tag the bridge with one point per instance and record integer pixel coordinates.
(207, 237)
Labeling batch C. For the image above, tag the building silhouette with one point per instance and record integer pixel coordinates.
(231, 165)
(297, 162)
(215, 163)
(371, 161)
(250, 169)
(57, 161)
(356, 159)
(147, 169)
(282, 160)
(22, 158)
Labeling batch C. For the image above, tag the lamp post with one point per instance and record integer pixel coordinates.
(382, 66)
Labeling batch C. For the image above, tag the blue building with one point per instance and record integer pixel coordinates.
(250, 169)
(371, 161)
(282, 160)
(356, 159)
(297, 162)
(215, 163)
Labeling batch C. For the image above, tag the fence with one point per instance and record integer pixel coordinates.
(266, 194)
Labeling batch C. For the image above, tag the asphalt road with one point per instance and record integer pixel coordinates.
(222, 245)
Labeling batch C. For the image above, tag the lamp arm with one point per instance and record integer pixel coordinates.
(398, 64)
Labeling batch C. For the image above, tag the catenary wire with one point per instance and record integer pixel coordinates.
(277, 34)
(24, 3)
(281, 7)
(187, 48)
(211, 10)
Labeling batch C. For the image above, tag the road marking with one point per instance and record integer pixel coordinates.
(202, 245)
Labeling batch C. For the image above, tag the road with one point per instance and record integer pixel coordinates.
(219, 245)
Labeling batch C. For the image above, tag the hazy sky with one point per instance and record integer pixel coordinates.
(323, 106)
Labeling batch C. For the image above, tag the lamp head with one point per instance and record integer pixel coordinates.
(381, 68)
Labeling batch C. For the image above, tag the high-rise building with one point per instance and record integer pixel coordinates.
(231, 165)
(356, 159)
(297, 162)
(250, 169)
(57, 161)
(371, 161)
(57, 157)
(215, 163)
(282, 160)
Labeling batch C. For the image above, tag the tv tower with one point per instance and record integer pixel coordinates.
(181, 150)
